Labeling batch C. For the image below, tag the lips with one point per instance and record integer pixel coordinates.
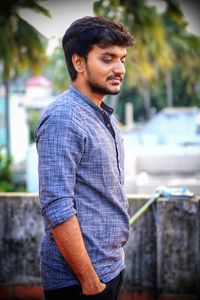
(116, 82)
(115, 79)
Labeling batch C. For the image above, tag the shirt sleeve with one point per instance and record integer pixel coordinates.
(60, 143)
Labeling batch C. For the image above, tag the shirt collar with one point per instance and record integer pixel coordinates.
(104, 106)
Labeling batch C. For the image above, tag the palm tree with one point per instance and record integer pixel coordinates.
(55, 70)
(21, 45)
(186, 48)
(151, 52)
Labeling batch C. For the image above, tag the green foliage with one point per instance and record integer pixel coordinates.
(163, 46)
(151, 51)
(21, 44)
(6, 182)
(33, 117)
(186, 49)
(5, 167)
(56, 70)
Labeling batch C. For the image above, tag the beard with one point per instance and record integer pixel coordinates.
(101, 89)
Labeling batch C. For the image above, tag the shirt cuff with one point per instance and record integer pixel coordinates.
(58, 212)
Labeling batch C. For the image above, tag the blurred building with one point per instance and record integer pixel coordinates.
(38, 96)
(2, 118)
(165, 151)
(38, 93)
(19, 133)
(35, 93)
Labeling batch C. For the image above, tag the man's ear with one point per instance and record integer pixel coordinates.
(78, 63)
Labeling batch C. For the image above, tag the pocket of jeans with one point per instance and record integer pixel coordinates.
(104, 295)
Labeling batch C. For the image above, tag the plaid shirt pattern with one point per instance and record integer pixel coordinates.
(81, 165)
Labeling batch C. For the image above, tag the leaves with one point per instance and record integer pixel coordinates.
(20, 43)
(162, 44)
(151, 51)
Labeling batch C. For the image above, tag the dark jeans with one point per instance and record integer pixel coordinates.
(111, 291)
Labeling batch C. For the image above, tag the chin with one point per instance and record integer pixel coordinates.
(115, 92)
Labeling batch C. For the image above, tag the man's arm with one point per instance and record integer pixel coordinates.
(70, 242)
(60, 143)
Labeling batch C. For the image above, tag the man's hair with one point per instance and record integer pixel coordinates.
(86, 32)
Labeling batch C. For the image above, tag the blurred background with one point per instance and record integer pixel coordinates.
(158, 108)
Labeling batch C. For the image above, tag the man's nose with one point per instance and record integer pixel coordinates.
(119, 68)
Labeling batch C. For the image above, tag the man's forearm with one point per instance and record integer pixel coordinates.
(69, 240)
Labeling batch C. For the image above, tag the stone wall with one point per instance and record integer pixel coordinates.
(162, 254)
(21, 229)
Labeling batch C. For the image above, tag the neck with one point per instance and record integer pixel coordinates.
(96, 98)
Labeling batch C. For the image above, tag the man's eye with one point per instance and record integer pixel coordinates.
(107, 61)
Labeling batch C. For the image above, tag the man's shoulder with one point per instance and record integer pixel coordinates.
(65, 105)
(64, 102)
(63, 110)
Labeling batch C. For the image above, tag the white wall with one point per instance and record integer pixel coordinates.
(32, 170)
(19, 133)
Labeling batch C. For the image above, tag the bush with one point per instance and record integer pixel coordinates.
(6, 182)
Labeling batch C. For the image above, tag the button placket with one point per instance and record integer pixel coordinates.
(118, 158)
(111, 126)
(117, 146)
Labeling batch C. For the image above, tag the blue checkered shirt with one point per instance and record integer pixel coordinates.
(81, 173)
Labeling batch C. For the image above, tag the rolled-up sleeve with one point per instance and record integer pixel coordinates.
(60, 144)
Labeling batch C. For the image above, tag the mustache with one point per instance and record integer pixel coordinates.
(118, 77)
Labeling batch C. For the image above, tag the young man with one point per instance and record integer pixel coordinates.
(81, 169)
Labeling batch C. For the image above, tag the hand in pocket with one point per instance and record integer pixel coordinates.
(106, 294)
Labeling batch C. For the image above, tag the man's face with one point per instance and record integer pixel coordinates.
(104, 69)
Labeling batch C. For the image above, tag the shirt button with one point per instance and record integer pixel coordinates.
(108, 125)
(103, 112)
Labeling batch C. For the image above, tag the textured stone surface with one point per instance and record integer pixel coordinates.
(21, 228)
(141, 249)
(178, 247)
(162, 258)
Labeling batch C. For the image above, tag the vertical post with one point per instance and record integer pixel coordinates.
(178, 247)
(169, 88)
(129, 115)
(140, 251)
(147, 101)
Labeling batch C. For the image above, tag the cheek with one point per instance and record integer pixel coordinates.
(99, 71)
(100, 75)
(102, 68)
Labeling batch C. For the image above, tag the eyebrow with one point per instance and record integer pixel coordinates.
(111, 54)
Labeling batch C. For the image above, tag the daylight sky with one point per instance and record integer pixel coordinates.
(64, 12)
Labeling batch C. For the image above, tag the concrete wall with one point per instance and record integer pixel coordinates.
(21, 229)
(162, 254)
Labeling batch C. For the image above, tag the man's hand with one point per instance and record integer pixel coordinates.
(92, 287)
(69, 240)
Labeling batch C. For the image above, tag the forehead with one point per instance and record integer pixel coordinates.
(118, 51)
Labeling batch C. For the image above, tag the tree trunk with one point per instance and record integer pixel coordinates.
(169, 88)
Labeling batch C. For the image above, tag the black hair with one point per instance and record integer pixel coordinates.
(89, 31)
